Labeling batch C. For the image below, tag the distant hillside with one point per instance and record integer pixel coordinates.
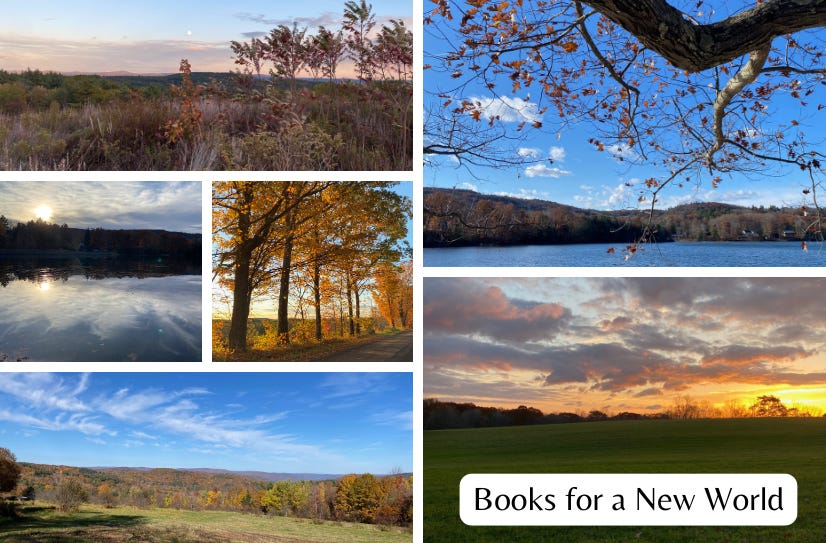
(42, 236)
(459, 217)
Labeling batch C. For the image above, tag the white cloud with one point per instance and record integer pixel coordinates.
(45, 390)
(622, 152)
(557, 154)
(469, 186)
(506, 109)
(540, 170)
(527, 194)
(528, 152)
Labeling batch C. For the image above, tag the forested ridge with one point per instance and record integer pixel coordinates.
(41, 235)
(379, 499)
(459, 217)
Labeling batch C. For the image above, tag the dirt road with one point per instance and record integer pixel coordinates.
(395, 348)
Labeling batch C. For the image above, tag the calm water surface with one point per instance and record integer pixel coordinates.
(59, 310)
(764, 254)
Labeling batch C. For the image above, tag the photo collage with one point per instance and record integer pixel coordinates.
(412, 271)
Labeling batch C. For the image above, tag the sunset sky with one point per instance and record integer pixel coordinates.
(153, 36)
(158, 205)
(623, 344)
(332, 423)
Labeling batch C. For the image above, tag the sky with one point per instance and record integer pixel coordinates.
(117, 205)
(571, 170)
(153, 36)
(623, 344)
(330, 423)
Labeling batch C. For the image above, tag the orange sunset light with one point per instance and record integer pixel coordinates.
(618, 345)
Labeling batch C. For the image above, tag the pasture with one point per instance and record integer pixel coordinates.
(794, 446)
(41, 523)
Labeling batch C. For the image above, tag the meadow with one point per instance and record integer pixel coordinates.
(764, 445)
(41, 523)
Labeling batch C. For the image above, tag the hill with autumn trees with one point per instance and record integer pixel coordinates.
(382, 499)
(459, 217)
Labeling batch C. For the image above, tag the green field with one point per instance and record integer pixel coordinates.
(42, 524)
(794, 446)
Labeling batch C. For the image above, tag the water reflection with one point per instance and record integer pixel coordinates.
(76, 311)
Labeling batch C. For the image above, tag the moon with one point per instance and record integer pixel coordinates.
(43, 212)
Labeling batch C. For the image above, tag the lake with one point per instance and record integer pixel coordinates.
(97, 309)
(763, 254)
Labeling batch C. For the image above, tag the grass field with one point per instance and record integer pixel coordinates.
(42, 524)
(794, 446)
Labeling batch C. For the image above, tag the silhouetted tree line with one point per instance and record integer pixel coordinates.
(456, 217)
(440, 415)
(40, 235)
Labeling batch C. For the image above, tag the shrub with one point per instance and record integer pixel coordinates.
(69, 494)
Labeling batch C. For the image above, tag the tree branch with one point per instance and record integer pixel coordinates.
(695, 47)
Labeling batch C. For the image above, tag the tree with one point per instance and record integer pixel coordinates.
(769, 406)
(286, 49)
(69, 494)
(670, 86)
(359, 20)
(9, 470)
(246, 214)
(358, 497)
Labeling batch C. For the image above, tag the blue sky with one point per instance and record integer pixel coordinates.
(332, 423)
(166, 205)
(152, 36)
(580, 175)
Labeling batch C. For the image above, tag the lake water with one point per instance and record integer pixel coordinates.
(99, 310)
(764, 254)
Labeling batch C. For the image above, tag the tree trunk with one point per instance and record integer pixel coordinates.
(350, 305)
(317, 296)
(358, 308)
(284, 286)
(240, 302)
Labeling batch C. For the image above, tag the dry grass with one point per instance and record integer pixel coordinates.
(94, 524)
(353, 127)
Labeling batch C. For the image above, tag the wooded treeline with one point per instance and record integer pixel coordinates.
(439, 415)
(456, 217)
(312, 247)
(40, 235)
(352, 498)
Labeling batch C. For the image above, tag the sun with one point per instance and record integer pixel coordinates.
(43, 212)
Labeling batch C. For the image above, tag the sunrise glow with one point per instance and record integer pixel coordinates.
(43, 212)
(625, 344)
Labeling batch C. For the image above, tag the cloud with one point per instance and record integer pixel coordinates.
(631, 336)
(622, 153)
(328, 19)
(467, 307)
(526, 194)
(557, 154)
(507, 109)
(528, 152)
(45, 390)
(402, 420)
(540, 170)
(115, 205)
(143, 57)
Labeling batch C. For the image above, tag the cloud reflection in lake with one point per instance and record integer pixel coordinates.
(76, 318)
